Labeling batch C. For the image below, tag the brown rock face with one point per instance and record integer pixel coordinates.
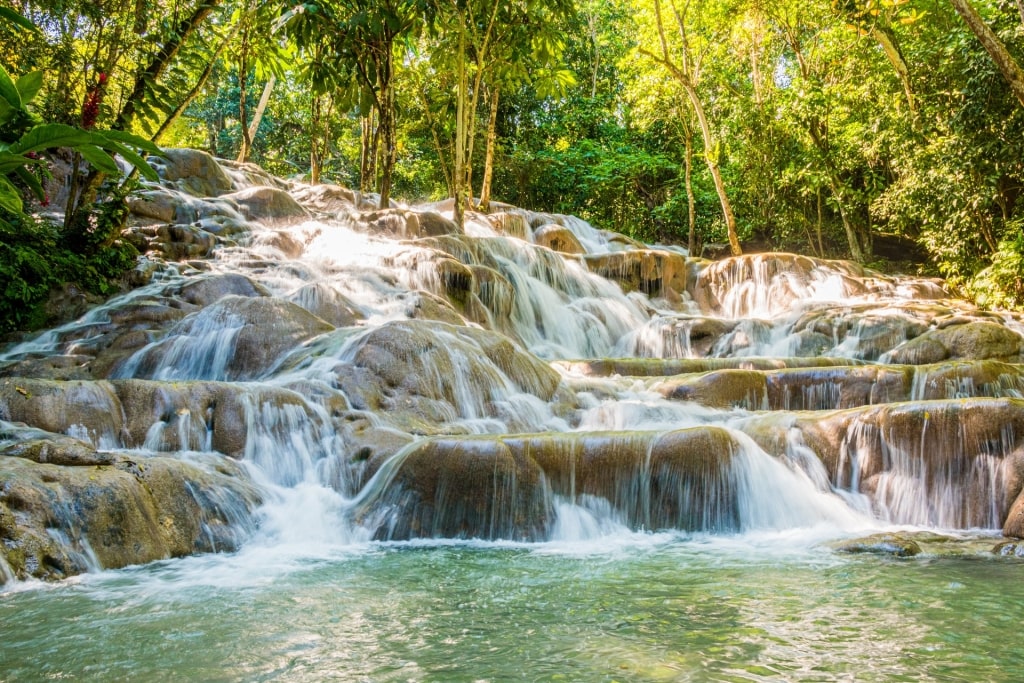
(113, 509)
(558, 238)
(977, 340)
(268, 204)
(193, 171)
(494, 487)
(651, 271)
(235, 338)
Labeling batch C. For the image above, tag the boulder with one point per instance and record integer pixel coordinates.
(268, 205)
(209, 289)
(558, 238)
(112, 510)
(652, 271)
(193, 171)
(236, 338)
(977, 340)
(895, 545)
(510, 224)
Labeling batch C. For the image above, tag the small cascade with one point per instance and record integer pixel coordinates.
(303, 368)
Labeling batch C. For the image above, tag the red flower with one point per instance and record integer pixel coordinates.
(93, 99)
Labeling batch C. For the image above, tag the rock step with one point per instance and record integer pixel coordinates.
(664, 367)
(838, 387)
(66, 508)
(953, 464)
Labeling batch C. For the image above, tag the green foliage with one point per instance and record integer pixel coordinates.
(34, 261)
(1001, 285)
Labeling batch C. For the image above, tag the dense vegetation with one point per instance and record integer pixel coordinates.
(837, 128)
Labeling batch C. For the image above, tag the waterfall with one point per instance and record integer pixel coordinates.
(384, 375)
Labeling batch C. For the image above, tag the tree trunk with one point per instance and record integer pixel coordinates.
(160, 61)
(441, 156)
(243, 95)
(686, 80)
(316, 123)
(197, 88)
(387, 130)
(257, 115)
(691, 201)
(460, 131)
(710, 152)
(367, 152)
(887, 40)
(818, 134)
(1001, 57)
(492, 137)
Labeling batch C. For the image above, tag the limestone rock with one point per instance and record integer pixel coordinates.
(652, 271)
(120, 509)
(978, 340)
(193, 171)
(206, 290)
(236, 338)
(558, 238)
(896, 545)
(268, 205)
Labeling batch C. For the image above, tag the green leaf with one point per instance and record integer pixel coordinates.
(7, 14)
(32, 182)
(49, 135)
(136, 141)
(9, 162)
(6, 111)
(10, 198)
(133, 158)
(28, 86)
(99, 159)
(8, 90)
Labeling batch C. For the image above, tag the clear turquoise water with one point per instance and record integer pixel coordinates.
(642, 608)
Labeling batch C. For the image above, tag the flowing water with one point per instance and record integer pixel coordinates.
(469, 457)
(647, 607)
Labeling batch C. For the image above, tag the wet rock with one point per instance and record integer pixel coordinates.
(493, 487)
(268, 205)
(433, 224)
(56, 521)
(720, 389)
(768, 284)
(235, 338)
(57, 450)
(157, 204)
(680, 336)
(978, 340)
(651, 271)
(662, 367)
(465, 489)
(1009, 549)
(330, 199)
(182, 242)
(423, 374)
(558, 238)
(896, 545)
(327, 303)
(404, 224)
(85, 409)
(68, 302)
(511, 224)
(193, 171)
(206, 290)
(934, 463)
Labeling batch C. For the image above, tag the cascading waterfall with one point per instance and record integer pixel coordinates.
(384, 375)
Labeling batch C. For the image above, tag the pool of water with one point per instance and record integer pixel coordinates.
(638, 607)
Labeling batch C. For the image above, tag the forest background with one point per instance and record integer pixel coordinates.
(890, 132)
